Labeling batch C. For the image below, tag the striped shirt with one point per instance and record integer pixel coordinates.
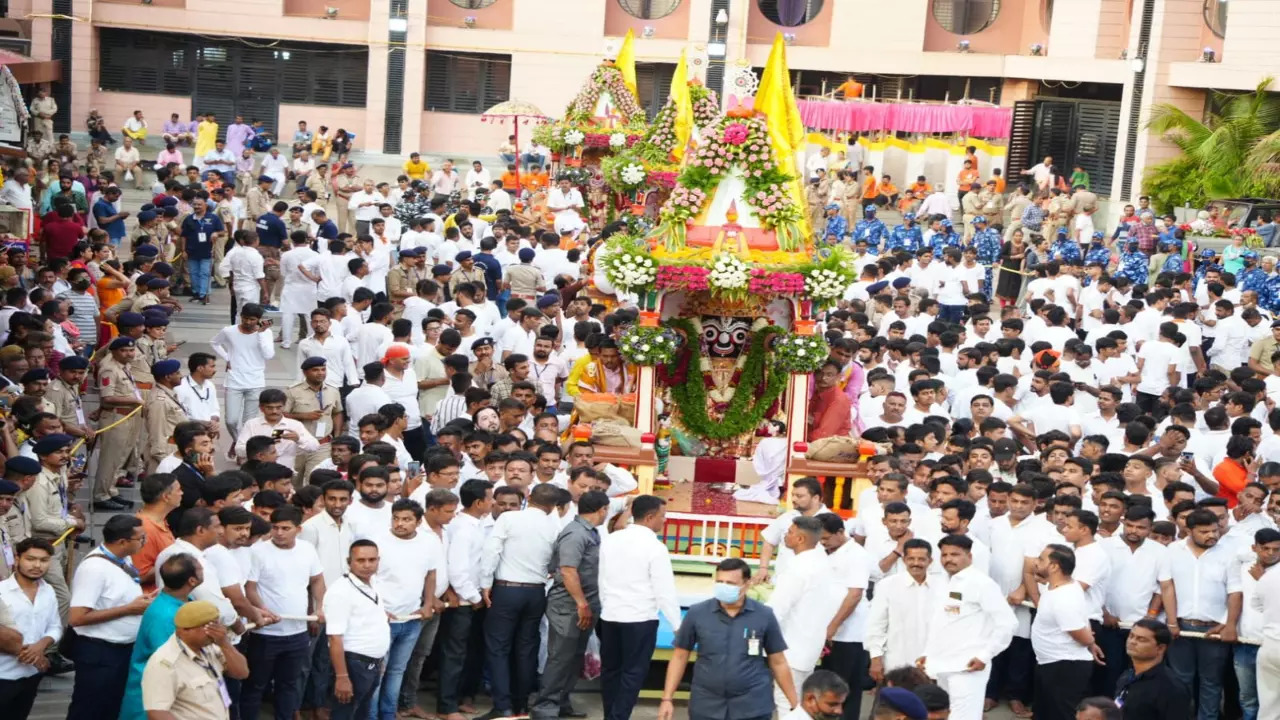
(84, 315)
(450, 408)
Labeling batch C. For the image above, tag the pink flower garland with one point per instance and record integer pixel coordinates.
(682, 277)
(764, 282)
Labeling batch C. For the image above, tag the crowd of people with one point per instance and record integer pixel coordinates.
(1073, 509)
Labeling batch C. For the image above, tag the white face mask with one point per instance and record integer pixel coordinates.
(726, 593)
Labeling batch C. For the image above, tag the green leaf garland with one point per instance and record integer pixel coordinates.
(746, 410)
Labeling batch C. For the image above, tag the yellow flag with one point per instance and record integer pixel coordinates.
(786, 130)
(626, 62)
(684, 107)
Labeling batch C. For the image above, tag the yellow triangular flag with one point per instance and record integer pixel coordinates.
(684, 107)
(626, 62)
(786, 130)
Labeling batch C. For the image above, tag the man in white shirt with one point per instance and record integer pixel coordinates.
(565, 201)
(805, 600)
(196, 393)
(1158, 362)
(245, 348)
(1061, 636)
(34, 618)
(400, 382)
(466, 548)
(359, 633)
(374, 335)
(970, 626)
(364, 205)
(1205, 596)
(291, 436)
(333, 348)
(129, 163)
(287, 578)
(478, 178)
(636, 583)
(806, 500)
(1137, 564)
(440, 508)
(367, 398)
(513, 574)
(106, 608)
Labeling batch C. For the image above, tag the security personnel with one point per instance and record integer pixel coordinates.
(1097, 252)
(987, 243)
(739, 643)
(184, 677)
(906, 236)
(870, 228)
(1252, 277)
(164, 412)
(52, 512)
(1134, 265)
(8, 554)
(944, 236)
(64, 393)
(1064, 249)
(120, 396)
(152, 347)
(21, 471)
(152, 294)
(318, 406)
(402, 280)
(35, 383)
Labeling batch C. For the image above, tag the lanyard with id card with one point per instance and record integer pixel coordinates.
(753, 643)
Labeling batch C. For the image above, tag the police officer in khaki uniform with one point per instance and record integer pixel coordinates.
(35, 385)
(184, 677)
(157, 291)
(295, 222)
(164, 412)
(64, 393)
(152, 347)
(120, 394)
(52, 512)
(402, 280)
(319, 407)
(21, 471)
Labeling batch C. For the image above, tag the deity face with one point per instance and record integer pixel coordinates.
(725, 336)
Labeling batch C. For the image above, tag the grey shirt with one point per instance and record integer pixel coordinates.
(728, 683)
(577, 546)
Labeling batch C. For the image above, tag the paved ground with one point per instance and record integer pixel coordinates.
(196, 325)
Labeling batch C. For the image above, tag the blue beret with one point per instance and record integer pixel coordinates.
(73, 362)
(130, 319)
(412, 252)
(148, 207)
(876, 288)
(441, 269)
(152, 320)
(34, 375)
(481, 342)
(901, 282)
(162, 269)
(464, 255)
(170, 211)
(548, 300)
(905, 702)
(146, 251)
(526, 254)
(166, 367)
(146, 216)
(265, 179)
(8, 487)
(156, 283)
(313, 362)
(22, 465)
(169, 201)
(121, 342)
(53, 443)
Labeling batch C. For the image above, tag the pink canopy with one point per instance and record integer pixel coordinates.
(984, 122)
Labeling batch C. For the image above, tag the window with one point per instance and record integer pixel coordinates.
(790, 13)
(467, 82)
(170, 64)
(473, 4)
(965, 17)
(653, 86)
(649, 9)
(1215, 16)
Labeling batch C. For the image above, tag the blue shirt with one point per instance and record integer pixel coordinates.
(326, 230)
(271, 230)
(103, 209)
(155, 630)
(492, 273)
(198, 234)
(728, 683)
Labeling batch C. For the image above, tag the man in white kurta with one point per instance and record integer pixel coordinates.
(300, 269)
(898, 624)
(804, 601)
(970, 626)
(276, 167)
(566, 202)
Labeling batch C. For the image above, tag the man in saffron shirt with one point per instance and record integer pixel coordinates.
(829, 408)
(1235, 470)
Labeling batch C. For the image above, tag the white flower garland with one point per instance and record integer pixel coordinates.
(574, 136)
(617, 140)
(824, 284)
(729, 272)
(633, 174)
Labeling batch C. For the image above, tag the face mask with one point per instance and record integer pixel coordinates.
(80, 286)
(825, 716)
(726, 593)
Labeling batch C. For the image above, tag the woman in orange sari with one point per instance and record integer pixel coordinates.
(111, 289)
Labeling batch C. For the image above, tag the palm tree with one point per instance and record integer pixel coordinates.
(1234, 151)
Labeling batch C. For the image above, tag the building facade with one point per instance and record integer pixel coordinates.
(414, 75)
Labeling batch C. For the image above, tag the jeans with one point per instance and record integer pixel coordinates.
(511, 643)
(404, 636)
(276, 661)
(242, 406)
(199, 270)
(951, 313)
(1246, 660)
(1112, 641)
(317, 674)
(413, 673)
(1205, 660)
(507, 157)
